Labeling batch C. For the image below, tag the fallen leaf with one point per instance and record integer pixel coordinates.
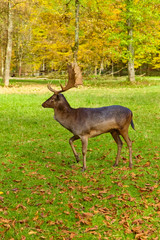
(7, 226)
(128, 230)
(23, 221)
(84, 218)
(138, 221)
(137, 230)
(17, 181)
(147, 164)
(15, 190)
(51, 223)
(1, 199)
(138, 156)
(91, 229)
(20, 206)
(36, 217)
(3, 220)
(67, 213)
(108, 217)
(141, 236)
(72, 235)
(107, 223)
(110, 196)
(42, 237)
(23, 238)
(32, 233)
(133, 175)
(88, 199)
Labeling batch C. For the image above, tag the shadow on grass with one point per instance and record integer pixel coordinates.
(26, 81)
(92, 81)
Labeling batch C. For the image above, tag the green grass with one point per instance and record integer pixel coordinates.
(44, 194)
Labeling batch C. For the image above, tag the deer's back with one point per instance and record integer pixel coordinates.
(95, 121)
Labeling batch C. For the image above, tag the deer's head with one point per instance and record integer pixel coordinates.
(74, 79)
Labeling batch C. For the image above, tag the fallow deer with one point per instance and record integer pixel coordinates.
(85, 123)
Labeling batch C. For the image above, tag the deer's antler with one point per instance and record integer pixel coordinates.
(51, 89)
(74, 79)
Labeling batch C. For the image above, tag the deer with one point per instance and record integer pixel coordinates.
(85, 123)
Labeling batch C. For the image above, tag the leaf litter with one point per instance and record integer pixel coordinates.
(49, 198)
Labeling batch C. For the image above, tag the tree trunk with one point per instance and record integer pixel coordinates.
(112, 73)
(8, 52)
(131, 72)
(2, 60)
(96, 70)
(101, 67)
(76, 45)
(20, 68)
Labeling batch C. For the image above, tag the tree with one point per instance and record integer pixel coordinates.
(14, 9)
(102, 35)
(76, 45)
(99, 41)
(8, 51)
(147, 33)
(139, 29)
(129, 21)
(2, 34)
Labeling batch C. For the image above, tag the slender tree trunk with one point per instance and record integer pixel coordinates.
(76, 45)
(20, 68)
(112, 73)
(101, 67)
(2, 60)
(43, 68)
(8, 53)
(96, 70)
(131, 72)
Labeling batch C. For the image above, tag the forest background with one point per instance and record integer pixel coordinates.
(105, 37)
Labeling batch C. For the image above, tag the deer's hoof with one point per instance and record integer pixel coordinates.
(83, 169)
(77, 159)
(115, 165)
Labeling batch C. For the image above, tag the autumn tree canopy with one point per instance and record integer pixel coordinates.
(110, 35)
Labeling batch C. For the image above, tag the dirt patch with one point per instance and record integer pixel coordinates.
(31, 89)
(25, 89)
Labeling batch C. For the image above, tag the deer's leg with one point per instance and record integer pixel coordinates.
(129, 143)
(71, 140)
(84, 151)
(117, 139)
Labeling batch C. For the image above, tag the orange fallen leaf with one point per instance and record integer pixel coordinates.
(72, 235)
(128, 230)
(20, 206)
(110, 196)
(23, 238)
(91, 229)
(67, 213)
(88, 199)
(147, 164)
(141, 236)
(32, 233)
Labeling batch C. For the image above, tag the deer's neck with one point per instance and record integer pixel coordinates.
(63, 114)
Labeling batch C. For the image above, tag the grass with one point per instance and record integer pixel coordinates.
(44, 194)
